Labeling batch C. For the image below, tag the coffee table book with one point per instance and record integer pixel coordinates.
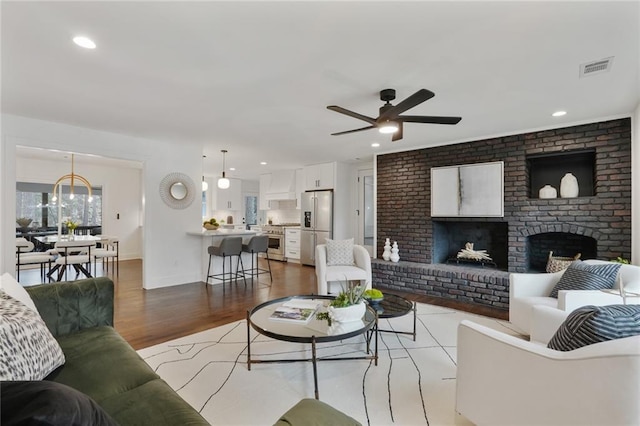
(296, 311)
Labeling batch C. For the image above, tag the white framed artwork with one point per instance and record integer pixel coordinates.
(471, 190)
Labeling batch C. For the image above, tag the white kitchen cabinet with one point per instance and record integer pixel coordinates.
(292, 244)
(299, 187)
(320, 176)
(265, 183)
(230, 198)
(472, 190)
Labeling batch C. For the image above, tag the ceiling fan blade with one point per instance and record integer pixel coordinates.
(352, 114)
(397, 135)
(353, 131)
(429, 119)
(417, 98)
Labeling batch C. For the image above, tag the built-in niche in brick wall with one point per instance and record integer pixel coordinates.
(403, 191)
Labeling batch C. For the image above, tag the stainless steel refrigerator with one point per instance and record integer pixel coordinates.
(316, 223)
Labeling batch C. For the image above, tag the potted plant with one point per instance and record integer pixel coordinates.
(349, 305)
(71, 226)
(373, 296)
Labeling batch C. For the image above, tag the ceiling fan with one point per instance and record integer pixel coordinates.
(390, 120)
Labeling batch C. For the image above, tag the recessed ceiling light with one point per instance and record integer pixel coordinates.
(559, 113)
(85, 42)
(375, 144)
(233, 169)
(263, 163)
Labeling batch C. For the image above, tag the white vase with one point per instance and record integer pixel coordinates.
(547, 191)
(386, 254)
(395, 257)
(569, 186)
(348, 313)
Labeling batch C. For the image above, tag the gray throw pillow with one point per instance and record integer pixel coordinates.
(28, 351)
(594, 324)
(340, 252)
(581, 276)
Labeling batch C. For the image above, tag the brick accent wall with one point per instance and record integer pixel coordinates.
(404, 192)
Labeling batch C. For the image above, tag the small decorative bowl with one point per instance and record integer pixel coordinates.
(375, 301)
(210, 227)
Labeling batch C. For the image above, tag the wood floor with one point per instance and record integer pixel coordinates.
(148, 317)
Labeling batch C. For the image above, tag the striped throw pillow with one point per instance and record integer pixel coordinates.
(594, 324)
(581, 276)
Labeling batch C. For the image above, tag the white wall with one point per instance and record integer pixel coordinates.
(170, 255)
(635, 187)
(121, 194)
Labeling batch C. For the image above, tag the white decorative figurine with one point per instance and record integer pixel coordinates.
(386, 255)
(395, 257)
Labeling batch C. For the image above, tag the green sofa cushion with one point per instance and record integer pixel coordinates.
(101, 364)
(311, 412)
(153, 403)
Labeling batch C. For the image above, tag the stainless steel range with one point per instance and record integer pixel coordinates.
(276, 239)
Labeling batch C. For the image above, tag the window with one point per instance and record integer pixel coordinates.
(251, 209)
(34, 201)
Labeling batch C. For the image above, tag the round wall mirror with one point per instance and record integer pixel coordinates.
(177, 190)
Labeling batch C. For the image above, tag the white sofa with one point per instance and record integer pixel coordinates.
(505, 380)
(537, 315)
(330, 278)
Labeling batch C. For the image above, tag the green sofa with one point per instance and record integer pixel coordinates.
(99, 362)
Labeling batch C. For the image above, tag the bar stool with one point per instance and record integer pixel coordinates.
(258, 244)
(229, 247)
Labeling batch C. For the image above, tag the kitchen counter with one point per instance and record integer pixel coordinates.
(223, 233)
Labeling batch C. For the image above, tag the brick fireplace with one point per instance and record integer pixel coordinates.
(597, 223)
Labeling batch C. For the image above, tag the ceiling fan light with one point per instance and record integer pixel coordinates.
(388, 127)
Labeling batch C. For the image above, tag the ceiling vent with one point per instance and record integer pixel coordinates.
(596, 67)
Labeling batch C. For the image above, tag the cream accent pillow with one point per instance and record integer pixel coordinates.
(14, 289)
(340, 252)
(28, 351)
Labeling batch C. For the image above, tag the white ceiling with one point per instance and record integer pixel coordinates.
(255, 77)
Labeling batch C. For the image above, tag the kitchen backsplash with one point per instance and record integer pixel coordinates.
(282, 216)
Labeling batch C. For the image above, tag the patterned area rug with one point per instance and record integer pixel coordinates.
(413, 383)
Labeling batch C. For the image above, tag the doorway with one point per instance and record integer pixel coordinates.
(365, 210)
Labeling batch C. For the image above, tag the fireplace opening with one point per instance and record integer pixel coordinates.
(561, 244)
(450, 237)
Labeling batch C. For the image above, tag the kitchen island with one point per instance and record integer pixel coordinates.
(213, 238)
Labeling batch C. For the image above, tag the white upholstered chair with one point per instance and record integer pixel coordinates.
(26, 256)
(533, 312)
(76, 254)
(330, 278)
(505, 380)
(109, 250)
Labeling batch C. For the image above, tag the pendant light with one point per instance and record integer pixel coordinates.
(223, 182)
(205, 185)
(72, 177)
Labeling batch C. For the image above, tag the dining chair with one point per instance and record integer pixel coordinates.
(109, 250)
(73, 253)
(26, 256)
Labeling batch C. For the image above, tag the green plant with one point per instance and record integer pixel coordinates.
(351, 295)
(620, 260)
(71, 225)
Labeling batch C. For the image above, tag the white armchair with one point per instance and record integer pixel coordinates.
(329, 277)
(505, 380)
(534, 313)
